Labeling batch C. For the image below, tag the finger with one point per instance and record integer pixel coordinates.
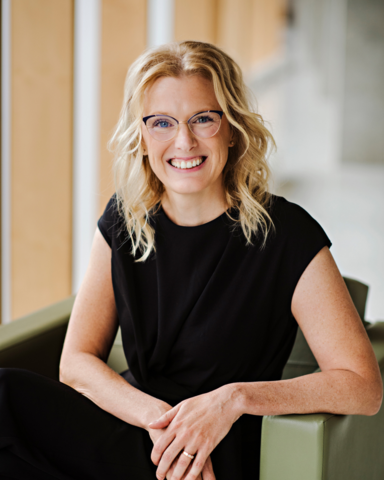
(160, 446)
(207, 472)
(181, 467)
(187, 471)
(167, 459)
(170, 471)
(172, 468)
(165, 419)
(197, 466)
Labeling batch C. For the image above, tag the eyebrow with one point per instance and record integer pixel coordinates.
(191, 115)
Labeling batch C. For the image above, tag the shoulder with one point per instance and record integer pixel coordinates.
(285, 212)
(296, 238)
(111, 223)
(291, 221)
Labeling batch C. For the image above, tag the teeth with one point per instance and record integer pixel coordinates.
(189, 164)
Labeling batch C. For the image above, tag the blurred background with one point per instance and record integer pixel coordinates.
(315, 66)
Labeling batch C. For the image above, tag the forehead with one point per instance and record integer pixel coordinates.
(180, 95)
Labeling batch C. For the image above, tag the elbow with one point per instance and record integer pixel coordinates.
(374, 399)
(75, 370)
(64, 372)
(375, 404)
(372, 409)
(63, 376)
(69, 375)
(68, 370)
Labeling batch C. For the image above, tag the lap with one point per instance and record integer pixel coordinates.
(52, 427)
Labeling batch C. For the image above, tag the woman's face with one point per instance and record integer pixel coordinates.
(182, 97)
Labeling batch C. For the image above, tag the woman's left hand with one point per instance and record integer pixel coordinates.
(195, 426)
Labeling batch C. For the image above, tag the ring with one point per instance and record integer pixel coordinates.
(188, 455)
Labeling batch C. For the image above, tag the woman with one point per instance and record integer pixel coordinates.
(208, 276)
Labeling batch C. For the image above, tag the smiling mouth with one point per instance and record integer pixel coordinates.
(187, 164)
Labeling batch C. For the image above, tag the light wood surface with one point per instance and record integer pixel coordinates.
(266, 31)
(248, 30)
(124, 37)
(41, 151)
(233, 31)
(196, 20)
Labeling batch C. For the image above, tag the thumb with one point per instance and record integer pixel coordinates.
(165, 419)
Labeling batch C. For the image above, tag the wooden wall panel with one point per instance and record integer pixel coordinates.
(124, 36)
(41, 149)
(234, 29)
(268, 21)
(196, 20)
(250, 30)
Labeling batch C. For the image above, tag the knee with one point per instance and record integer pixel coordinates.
(5, 380)
(9, 376)
(5, 373)
(14, 381)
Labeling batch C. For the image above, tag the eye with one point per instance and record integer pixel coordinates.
(162, 123)
(203, 119)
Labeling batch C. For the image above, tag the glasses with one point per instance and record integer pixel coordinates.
(202, 124)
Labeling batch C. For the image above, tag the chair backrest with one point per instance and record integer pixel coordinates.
(35, 341)
(302, 360)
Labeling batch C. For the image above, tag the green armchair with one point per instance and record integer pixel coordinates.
(323, 446)
(293, 447)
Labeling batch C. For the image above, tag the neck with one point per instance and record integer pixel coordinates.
(194, 209)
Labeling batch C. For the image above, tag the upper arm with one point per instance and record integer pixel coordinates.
(324, 310)
(93, 323)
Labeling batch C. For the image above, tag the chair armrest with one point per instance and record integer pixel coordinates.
(324, 446)
(292, 447)
(35, 341)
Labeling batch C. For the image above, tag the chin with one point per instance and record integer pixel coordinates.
(186, 188)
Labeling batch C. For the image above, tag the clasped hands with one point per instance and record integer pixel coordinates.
(196, 426)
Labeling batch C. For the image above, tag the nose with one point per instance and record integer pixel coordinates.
(185, 140)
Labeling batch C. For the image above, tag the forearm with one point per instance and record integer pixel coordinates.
(337, 391)
(91, 377)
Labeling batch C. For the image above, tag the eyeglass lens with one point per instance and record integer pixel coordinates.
(203, 125)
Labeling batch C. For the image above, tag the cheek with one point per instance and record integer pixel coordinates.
(157, 164)
(154, 163)
(151, 146)
(155, 153)
(223, 154)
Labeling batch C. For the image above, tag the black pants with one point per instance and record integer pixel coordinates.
(50, 431)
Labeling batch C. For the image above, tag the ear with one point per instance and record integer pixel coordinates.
(143, 146)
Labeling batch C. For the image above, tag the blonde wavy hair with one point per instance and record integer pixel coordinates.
(246, 173)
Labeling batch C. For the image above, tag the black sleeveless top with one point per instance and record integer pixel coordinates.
(206, 310)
